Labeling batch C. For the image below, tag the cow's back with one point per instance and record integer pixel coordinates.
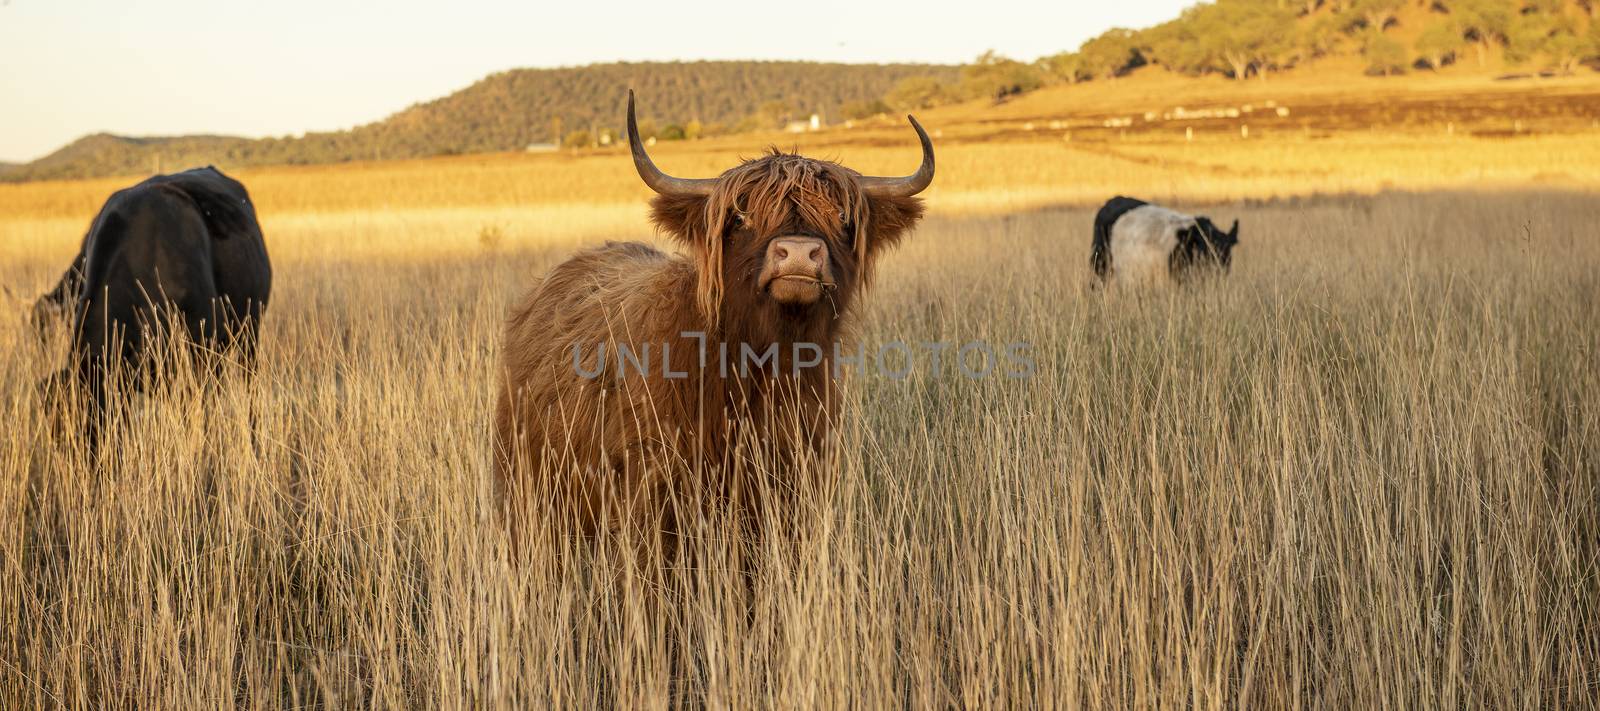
(1141, 243)
(240, 266)
(555, 412)
(186, 246)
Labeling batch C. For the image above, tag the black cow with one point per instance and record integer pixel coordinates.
(175, 248)
(1137, 241)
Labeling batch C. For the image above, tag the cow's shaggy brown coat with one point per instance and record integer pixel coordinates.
(614, 450)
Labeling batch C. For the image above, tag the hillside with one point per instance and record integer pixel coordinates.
(1255, 38)
(1306, 43)
(510, 110)
(104, 154)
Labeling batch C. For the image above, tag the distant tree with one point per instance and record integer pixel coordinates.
(647, 128)
(1245, 35)
(1321, 36)
(1377, 14)
(1567, 48)
(1553, 36)
(864, 109)
(750, 123)
(1111, 54)
(1483, 22)
(1169, 44)
(1181, 45)
(578, 139)
(694, 130)
(1439, 42)
(1527, 36)
(992, 75)
(1384, 55)
(774, 114)
(1591, 43)
(913, 93)
(672, 132)
(1353, 15)
(1063, 68)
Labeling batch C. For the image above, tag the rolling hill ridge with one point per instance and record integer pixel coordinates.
(510, 110)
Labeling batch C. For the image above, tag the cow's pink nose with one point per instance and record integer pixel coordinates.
(798, 255)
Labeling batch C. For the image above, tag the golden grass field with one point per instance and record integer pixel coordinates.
(1363, 471)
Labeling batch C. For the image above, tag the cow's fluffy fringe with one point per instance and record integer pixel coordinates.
(768, 192)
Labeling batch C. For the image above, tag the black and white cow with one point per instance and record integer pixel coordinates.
(1135, 241)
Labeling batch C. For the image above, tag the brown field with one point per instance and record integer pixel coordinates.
(1360, 472)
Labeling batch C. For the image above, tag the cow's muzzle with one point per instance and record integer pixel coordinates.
(796, 270)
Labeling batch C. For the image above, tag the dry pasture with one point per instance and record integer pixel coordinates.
(1363, 471)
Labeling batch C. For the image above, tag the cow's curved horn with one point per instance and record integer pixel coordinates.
(652, 176)
(911, 184)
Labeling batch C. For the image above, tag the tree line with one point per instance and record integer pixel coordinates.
(1243, 39)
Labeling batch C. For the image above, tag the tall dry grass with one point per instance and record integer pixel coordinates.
(1360, 472)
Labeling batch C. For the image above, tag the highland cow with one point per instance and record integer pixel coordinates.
(624, 384)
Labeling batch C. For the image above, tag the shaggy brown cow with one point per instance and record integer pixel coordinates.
(630, 377)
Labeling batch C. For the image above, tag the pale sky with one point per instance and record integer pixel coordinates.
(146, 68)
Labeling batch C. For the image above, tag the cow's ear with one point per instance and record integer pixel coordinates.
(681, 216)
(698, 224)
(1233, 234)
(888, 220)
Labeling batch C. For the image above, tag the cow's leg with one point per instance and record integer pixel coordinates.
(235, 329)
(653, 495)
(247, 325)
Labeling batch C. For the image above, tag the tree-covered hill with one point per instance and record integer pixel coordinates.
(1259, 39)
(513, 109)
(104, 154)
(1244, 39)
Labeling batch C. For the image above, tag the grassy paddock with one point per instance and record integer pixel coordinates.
(990, 166)
(1361, 472)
